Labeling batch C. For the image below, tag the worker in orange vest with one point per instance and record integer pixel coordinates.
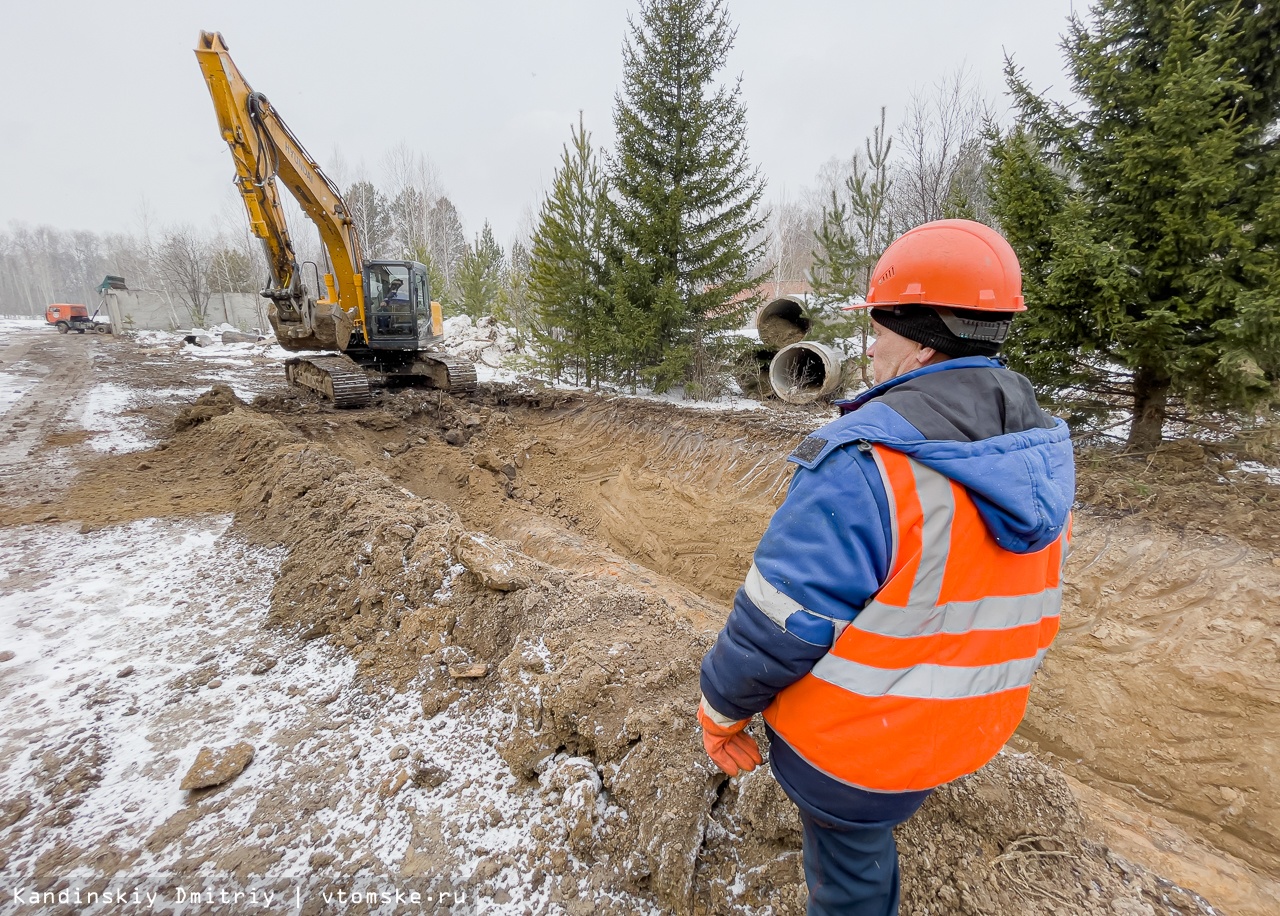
(905, 592)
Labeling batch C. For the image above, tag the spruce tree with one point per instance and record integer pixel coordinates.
(568, 279)
(481, 275)
(685, 196)
(1146, 218)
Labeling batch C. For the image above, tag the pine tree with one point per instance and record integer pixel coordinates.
(685, 197)
(568, 280)
(515, 308)
(1146, 222)
(854, 233)
(480, 275)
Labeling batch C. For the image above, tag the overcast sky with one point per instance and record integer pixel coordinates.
(104, 105)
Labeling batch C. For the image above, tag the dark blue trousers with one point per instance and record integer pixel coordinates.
(851, 870)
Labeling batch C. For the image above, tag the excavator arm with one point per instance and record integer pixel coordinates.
(266, 155)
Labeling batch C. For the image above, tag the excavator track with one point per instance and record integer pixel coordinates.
(461, 372)
(337, 378)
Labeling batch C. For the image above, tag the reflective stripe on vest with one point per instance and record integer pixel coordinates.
(931, 677)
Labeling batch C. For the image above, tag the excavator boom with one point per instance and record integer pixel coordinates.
(264, 151)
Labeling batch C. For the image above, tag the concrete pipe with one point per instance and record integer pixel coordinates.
(805, 372)
(783, 321)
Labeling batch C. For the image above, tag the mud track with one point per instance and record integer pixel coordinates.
(602, 541)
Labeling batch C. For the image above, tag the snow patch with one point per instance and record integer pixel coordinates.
(104, 414)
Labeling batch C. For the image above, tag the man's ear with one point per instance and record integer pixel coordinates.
(925, 355)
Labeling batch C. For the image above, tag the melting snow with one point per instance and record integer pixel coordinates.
(172, 600)
(104, 414)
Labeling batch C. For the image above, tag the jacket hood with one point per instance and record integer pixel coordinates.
(978, 424)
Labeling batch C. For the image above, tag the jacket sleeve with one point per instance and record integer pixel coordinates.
(824, 555)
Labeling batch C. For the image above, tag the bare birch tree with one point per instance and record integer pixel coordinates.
(183, 257)
(939, 170)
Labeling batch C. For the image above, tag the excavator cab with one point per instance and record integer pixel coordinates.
(398, 306)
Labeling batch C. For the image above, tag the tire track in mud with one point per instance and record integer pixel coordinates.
(54, 372)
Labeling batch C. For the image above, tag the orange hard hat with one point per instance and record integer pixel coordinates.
(949, 263)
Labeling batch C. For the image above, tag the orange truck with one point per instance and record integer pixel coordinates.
(67, 317)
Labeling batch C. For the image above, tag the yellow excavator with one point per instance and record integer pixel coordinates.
(377, 316)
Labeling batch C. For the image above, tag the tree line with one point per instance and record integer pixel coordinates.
(405, 216)
(1145, 213)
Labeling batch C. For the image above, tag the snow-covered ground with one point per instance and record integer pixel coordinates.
(13, 385)
(125, 650)
(489, 345)
(104, 626)
(103, 413)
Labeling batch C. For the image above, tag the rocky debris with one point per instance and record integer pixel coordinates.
(13, 810)
(468, 670)
(193, 680)
(230, 336)
(485, 341)
(7, 656)
(496, 566)
(428, 775)
(379, 421)
(574, 785)
(394, 784)
(455, 437)
(399, 752)
(215, 767)
(70, 770)
(125, 671)
(491, 461)
(262, 664)
(635, 730)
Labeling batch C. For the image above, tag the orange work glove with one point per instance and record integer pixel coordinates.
(727, 746)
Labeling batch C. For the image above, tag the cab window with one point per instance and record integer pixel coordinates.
(390, 300)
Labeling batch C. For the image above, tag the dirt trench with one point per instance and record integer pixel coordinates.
(1161, 688)
(602, 541)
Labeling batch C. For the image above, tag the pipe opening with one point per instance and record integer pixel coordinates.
(782, 322)
(805, 372)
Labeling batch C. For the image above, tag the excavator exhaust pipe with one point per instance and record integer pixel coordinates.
(805, 372)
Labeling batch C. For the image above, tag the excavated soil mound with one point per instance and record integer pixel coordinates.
(566, 561)
(596, 670)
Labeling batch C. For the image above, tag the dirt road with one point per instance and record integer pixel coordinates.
(485, 618)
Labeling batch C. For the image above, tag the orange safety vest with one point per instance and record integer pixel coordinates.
(931, 677)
